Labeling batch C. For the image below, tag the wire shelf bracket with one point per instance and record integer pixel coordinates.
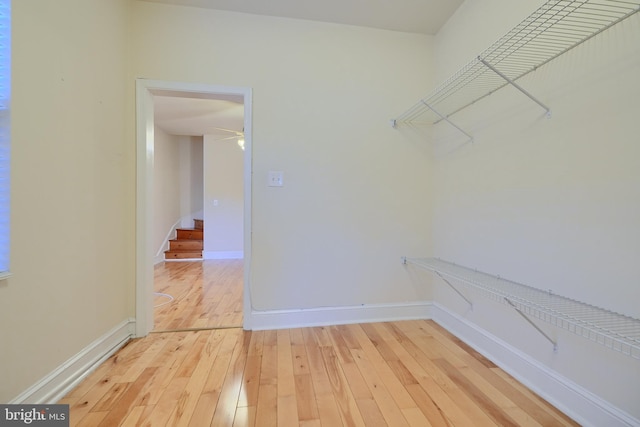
(530, 322)
(516, 85)
(446, 119)
(615, 331)
(455, 289)
(552, 30)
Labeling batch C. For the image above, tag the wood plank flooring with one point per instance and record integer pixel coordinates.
(206, 294)
(408, 373)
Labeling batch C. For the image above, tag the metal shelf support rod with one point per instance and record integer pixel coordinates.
(455, 289)
(529, 321)
(447, 120)
(514, 84)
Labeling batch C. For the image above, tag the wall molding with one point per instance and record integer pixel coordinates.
(578, 403)
(324, 316)
(61, 380)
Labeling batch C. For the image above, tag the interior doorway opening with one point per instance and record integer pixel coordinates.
(186, 97)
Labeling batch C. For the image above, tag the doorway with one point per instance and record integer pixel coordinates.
(145, 252)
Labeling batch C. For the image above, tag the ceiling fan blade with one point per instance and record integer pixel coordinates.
(226, 138)
(238, 133)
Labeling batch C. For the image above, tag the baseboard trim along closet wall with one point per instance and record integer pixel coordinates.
(60, 381)
(324, 316)
(583, 406)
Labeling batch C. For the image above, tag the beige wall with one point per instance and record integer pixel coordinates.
(192, 179)
(166, 186)
(223, 182)
(323, 96)
(177, 186)
(552, 203)
(72, 201)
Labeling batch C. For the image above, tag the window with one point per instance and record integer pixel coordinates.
(5, 134)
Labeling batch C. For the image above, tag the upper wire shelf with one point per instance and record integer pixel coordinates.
(555, 28)
(613, 330)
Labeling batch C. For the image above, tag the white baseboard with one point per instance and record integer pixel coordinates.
(323, 316)
(575, 401)
(223, 254)
(60, 381)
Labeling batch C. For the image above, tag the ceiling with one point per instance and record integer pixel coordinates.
(413, 16)
(199, 116)
(187, 116)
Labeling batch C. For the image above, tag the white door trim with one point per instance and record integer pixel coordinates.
(144, 189)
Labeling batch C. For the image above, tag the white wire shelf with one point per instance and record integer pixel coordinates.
(555, 28)
(615, 331)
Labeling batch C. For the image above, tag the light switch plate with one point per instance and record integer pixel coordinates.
(276, 179)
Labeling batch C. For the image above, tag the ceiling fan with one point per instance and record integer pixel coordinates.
(237, 135)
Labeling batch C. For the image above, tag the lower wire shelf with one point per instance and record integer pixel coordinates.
(613, 330)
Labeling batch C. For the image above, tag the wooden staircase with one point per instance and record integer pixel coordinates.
(188, 243)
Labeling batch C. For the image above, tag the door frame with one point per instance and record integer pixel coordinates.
(145, 89)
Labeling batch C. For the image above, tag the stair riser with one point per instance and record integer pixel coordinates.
(182, 245)
(182, 255)
(198, 224)
(190, 234)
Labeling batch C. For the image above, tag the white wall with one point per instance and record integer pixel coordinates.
(192, 172)
(552, 203)
(166, 187)
(223, 183)
(72, 178)
(177, 187)
(323, 97)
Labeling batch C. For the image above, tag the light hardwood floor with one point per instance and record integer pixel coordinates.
(408, 373)
(206, 294)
